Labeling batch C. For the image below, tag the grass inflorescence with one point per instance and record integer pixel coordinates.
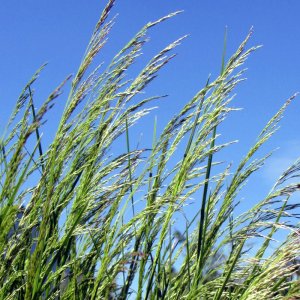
(95, 225)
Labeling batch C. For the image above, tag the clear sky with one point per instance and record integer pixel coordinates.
(33, 32)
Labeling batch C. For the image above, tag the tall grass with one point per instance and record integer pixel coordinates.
(83, 230)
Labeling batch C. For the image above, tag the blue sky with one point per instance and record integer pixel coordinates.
(33, 32)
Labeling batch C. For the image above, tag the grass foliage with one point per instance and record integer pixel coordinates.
(79, 222)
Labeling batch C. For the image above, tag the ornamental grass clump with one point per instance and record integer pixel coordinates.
(80, 222)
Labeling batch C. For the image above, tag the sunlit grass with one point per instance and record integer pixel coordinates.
(84, 231)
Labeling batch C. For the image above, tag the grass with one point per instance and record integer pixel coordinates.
(83, 230)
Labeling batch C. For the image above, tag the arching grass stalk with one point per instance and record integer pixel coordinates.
(129, 166)
(201, 235)
(37, 132)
